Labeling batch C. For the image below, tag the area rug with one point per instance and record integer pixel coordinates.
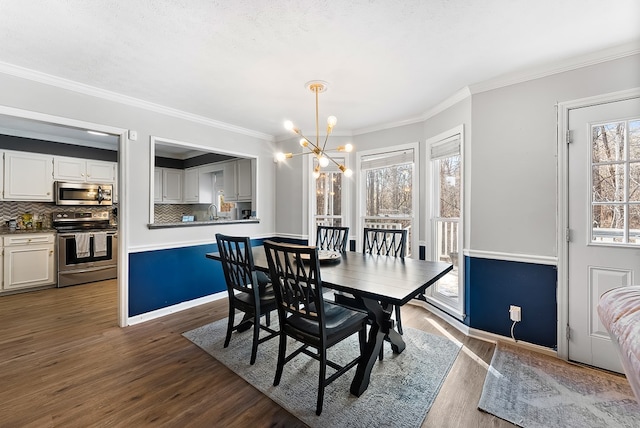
(401, 392)
(531, 389)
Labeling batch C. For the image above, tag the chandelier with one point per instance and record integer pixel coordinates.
(319, 151)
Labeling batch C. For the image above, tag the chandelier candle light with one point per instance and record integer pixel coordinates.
(317, 86)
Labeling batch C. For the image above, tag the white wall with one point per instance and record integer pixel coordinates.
(513, 164)
(29, 95)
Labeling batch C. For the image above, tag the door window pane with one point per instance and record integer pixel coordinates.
(634, 223)
(634, 140)
(608, 183)
(608, 142)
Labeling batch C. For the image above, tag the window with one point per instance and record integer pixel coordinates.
(615, 178)
(389, 191)
(446, 237)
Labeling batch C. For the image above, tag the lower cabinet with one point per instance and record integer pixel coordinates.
(28, 261)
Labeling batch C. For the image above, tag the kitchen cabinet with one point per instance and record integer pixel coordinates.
(28, 177)
(83, 170)
(169, 182)
(28, 260)
(1, 182)
(157, 185)
(191, 185)
(237, 180)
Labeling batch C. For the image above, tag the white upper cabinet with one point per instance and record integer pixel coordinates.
(191, 185)
(157, 185)
(2, 176)
(101, 171)
(237, 180)
(229, 177)
(83, 170)
(28, 177)
(244, 181)
(171, 185)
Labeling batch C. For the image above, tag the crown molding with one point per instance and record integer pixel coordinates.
(458, 96)
(568, 64)
(388, 125)
(82, 88)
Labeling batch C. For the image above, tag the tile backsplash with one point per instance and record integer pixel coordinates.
(12, 209)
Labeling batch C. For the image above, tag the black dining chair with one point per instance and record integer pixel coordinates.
(305, 316)
(333, 238)
(386, 242)
(246, 292)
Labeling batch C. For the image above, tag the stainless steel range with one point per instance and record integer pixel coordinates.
(87, 247)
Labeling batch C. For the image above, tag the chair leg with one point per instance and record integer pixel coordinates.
(282, 348)
(231, 320)
(362, 339)
(256, 336)
(321, 379)
(398, 321)
(268, 318)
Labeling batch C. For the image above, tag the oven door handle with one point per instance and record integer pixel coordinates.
(73, 235)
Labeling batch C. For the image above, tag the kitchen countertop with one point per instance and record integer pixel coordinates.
(200, 223)
(7, 231)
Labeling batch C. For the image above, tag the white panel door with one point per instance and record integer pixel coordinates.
(604, 220)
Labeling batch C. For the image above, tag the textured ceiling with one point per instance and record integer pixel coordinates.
(245, 62)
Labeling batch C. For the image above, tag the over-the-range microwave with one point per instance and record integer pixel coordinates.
(83, 193)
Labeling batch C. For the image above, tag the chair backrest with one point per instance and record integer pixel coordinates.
(237, 264)
(386, 242)
(332, 238)
(295, 275)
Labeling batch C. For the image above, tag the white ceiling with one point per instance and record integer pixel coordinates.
(245, 62)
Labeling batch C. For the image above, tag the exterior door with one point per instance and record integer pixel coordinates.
(604, 220)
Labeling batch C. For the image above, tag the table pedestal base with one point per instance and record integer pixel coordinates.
(381, 329)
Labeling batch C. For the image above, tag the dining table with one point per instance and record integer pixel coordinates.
(378, 283)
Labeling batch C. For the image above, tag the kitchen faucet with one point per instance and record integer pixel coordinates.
(211, 211)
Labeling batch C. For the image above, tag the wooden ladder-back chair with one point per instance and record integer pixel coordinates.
(305, 316)
(386, 242)
(333, 238)
(246, 294)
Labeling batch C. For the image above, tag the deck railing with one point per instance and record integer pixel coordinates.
(447, 239)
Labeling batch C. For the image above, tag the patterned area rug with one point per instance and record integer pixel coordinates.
(401, 392)
(530, 389)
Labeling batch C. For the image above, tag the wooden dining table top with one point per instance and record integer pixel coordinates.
(383, 278)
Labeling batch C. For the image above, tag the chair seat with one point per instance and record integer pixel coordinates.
(267, 298)
(340, 322)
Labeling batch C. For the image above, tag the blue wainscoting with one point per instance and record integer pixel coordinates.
(492, 285)
(163, 278)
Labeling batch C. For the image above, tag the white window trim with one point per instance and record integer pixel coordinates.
(415, 233)
(450, 306)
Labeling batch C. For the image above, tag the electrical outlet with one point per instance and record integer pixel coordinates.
(515, 312)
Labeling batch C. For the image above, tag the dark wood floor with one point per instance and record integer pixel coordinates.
(64, 362)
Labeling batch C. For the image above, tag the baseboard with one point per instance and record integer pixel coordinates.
(480, 334)
(495, 338)
(148, 316)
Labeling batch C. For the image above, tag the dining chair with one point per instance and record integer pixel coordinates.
(305, 316)
(246, 292)
(333, 238)
(386, 242)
